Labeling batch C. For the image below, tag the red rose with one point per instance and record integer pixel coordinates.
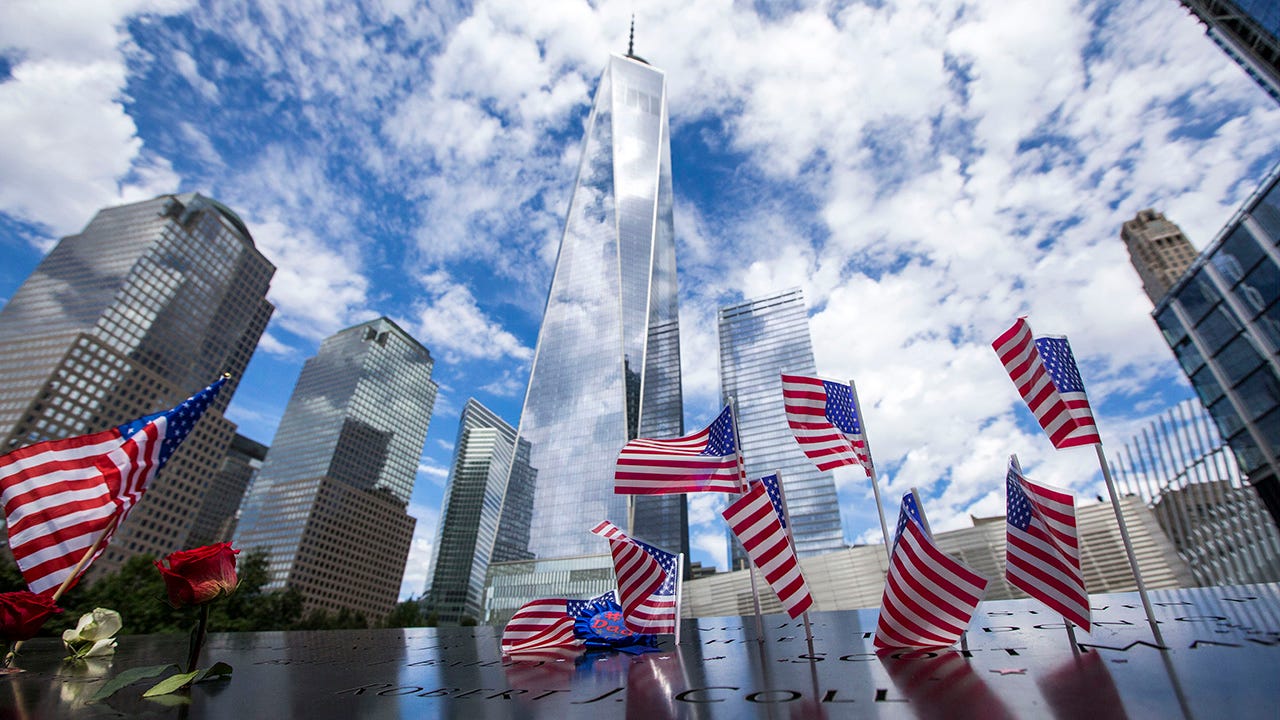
(22, 613)
(194, 577)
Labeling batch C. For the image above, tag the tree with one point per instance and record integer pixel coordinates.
(405, 614)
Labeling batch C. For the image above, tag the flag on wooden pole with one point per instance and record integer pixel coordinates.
(1044, 372)
(647, 581)
(824, 418)
(63, 498)
(1042, 555)
(757, 519)
(928, 597)
(706, 461)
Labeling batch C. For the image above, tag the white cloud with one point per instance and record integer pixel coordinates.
(70, 146)
(317, 289)
(450, 321)
(418, 567)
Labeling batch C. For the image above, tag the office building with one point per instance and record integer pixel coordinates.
(329, 503)
(1249, 32)
(759, 340)
(1189, 479)
(1158, 250)
(607, 364)
(216, 521)
(149, 303)
(1222, 320)
(466, 538)
(854, 578)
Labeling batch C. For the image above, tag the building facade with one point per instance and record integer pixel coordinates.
(1158, 251)
(1222, 320)
(1191, 482)
(216, 520)
(485, 455)
(759, 340)
(1249, 32)
(853, 578)
(607, 364)
(329, 503)
(149, 303)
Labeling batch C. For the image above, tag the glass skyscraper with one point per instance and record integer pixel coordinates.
(1222, 320)
(759, 340)
(1249, 32)
(607, 365)
(466, 538)
(149, 303)
(329, 502)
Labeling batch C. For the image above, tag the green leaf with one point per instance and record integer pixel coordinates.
(127, 678)
(217, 672)
(171, 683)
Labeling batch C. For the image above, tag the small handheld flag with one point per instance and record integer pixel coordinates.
(824, 418)
(1045, 374)
(929, 597)
(706, 461)
(1042, 555)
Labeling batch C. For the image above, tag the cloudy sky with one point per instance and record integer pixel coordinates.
(926, 170)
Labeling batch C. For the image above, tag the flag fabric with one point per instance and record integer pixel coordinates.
(59, 496)
(825, 421)
(647, 581)
(544, 625)
(1045, 374)
(928, 597)
(908, 511)
(1042, 555)
(706, 461)
(758, 523)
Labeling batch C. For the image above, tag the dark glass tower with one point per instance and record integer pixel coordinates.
(607, 366)
(466, 539)
(1222, 320)
(329, 502)
(149, 303)
(759, 340)
(1249, 32)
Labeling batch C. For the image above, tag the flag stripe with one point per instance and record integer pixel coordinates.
(646, 581)
(813, 408)
(928, 597)
(755, 520)
(1042, 556)
(1058, 404)
(706, 461)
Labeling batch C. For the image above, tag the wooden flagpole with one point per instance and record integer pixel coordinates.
(88, 555)
(1128, 544)
(875, 479)
(66, 583)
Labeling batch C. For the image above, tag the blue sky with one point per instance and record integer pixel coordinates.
(925, 170)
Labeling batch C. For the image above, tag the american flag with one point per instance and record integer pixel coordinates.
(541, 625)
(909, 510)
(825, 422)
(706, 461)
(928, 598)
(757, 521)
(1042, 555)
(647, 581)
(1044, 372)
(60, 496)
